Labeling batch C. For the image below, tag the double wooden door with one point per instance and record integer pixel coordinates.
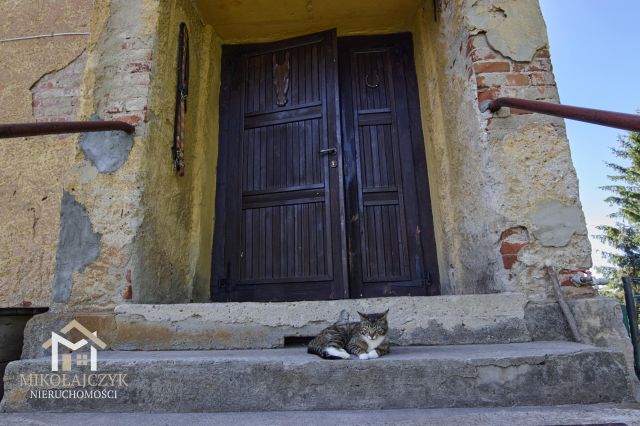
(322, 188)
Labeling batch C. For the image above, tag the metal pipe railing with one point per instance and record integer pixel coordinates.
(632, 314)
(617, 120)
(61, 127)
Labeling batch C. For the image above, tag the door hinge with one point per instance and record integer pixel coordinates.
(426, 278)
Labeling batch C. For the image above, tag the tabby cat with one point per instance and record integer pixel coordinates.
(367, 339)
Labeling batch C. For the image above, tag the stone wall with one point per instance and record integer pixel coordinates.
(40, 82)
(505, 187)
(504, 191)
(131, 228)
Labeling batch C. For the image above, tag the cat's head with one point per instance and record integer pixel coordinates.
(374, 325)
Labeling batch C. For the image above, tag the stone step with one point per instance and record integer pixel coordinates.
(595, 414)
(516, 374)
(440, 320)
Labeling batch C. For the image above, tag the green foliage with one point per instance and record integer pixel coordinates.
(624, 236)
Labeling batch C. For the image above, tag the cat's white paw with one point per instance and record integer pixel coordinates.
(340, 353)
(363, 356)
(373, 354)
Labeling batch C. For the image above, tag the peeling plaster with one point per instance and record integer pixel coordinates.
(78, 246)
(107, 151)
(514, 28)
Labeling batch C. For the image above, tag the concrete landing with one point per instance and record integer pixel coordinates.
(601, 414)
(437, 320)
(535, 373)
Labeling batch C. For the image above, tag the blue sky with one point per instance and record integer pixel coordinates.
(595, 51)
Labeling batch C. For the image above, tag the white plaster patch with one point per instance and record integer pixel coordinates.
(554, 223)
(514, 28)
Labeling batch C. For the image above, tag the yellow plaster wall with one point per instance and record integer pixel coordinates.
(245, 21)
(425, 46)
(177, 233)
(33, 168)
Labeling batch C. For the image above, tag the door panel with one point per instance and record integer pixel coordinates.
(391, 244)
(281, 226)
(300, 215)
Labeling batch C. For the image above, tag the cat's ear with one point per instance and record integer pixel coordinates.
(363, 316)
(384, 315)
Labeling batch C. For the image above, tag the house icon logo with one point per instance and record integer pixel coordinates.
(82, 358)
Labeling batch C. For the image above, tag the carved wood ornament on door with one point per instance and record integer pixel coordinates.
(281, 79)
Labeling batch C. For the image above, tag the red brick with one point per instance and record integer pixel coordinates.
(481, 82)
(138, 67)
(509, 232)
(541, 79)
(511, 248)
(488, 95)
(542, 53)
(482, 55)
(487, 67)
(518, 80)
(127, 293)
(536, 65)
(509, 260)
(131, 119)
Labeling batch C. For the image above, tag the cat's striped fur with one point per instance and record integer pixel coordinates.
(366, 339)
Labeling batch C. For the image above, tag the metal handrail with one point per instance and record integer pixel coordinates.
(18, 130)
(632, 314)
(617, 120)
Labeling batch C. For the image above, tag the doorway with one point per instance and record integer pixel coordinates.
(322, 188)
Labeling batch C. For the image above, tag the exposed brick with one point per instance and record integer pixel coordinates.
(55, 95)
(517, 80)
(136, 104)
(512, 241)
(129, 118)
(533, 66)
(509, 260)
(488, 95)
(567, 274)
(138, 67)
(542, 78)
(482, 55)
(542, 53)
(511, 248)
(489, 67)
(481, 82)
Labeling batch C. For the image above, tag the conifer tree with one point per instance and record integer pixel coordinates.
(624, 235)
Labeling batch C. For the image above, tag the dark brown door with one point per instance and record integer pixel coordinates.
(293, 222)
(390, 227)
(279, 206)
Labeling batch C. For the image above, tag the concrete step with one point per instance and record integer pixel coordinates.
(596, 414)
(441, 320)
(517, 374)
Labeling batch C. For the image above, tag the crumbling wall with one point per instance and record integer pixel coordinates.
(506, 187)
(177, 233)
(105, 181)
(40, 82)
(152, 228)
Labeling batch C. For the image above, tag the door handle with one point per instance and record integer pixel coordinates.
(328, 151)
